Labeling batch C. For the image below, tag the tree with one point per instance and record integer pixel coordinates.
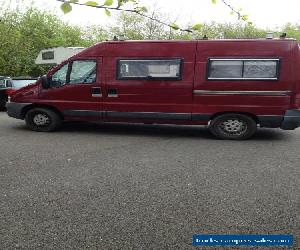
(293, 30)
(136, 8)
(135, 27)
(23, 35)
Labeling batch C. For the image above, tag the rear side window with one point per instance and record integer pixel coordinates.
(149, 69)
(243, 69)
(48, 55)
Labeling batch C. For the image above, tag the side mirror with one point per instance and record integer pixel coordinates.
(45, 82)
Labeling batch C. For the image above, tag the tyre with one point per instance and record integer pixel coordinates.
(233, 126)
(42, 120)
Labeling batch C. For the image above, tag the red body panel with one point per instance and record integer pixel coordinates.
(10, 91)
(177, 96)
(258, 105)
(150, 95)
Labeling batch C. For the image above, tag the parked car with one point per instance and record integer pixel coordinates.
(10, 85)
(19, 82)
(232, 86)
(4, 83)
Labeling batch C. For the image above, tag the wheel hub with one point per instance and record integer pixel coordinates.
(233, 127)
(41, 119)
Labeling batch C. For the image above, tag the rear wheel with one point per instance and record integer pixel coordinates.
(233, 126)
(42, 120)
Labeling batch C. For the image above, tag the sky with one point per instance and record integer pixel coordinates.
(269, 14)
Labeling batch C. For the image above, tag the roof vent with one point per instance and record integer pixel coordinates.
(122, 37)
(283, 36)
(269, 35)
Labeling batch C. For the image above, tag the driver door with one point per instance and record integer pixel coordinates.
(75, 89)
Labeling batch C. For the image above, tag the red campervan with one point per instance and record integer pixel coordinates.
(230, 85)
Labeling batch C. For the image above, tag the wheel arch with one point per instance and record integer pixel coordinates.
(254, 117)
(36, 105)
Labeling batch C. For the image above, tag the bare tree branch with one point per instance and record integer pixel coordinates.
(235, 11)
(139, 11)
(136, 11)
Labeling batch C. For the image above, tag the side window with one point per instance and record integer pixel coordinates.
(83, 72)
(260, 69)
(243, 69)
(75, 72)
(48, 55)
(59, 78)
(226, 69)
(149, 69)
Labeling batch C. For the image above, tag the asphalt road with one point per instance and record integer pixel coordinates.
(124, 186)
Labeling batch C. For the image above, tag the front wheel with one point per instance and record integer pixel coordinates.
(42, 120)
(233, 126)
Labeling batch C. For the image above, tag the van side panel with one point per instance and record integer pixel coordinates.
(151, 98)
(261, 100)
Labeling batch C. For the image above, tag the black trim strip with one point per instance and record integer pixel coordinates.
(140, 115)
(83, 113)
(149, 115)
(201, 117)
(242, 92)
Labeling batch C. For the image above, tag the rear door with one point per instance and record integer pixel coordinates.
(76, 89)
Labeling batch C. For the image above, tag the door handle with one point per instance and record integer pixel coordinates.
(96, 92)
(112, 93)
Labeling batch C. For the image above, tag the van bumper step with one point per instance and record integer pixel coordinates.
(291, 119)
(14, 109)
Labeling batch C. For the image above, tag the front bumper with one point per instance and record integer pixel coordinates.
(291, 119)
(14, 109)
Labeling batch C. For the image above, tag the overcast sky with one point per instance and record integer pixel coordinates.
(263, 13)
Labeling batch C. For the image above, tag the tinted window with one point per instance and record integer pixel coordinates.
(149, 69)
(243, 69)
